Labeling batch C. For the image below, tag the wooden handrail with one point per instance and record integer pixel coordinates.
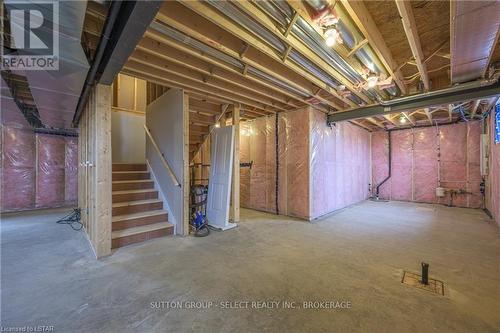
(162, 157)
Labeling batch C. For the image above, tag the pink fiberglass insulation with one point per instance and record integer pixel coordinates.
(402, 143)
(18, 174)
(494, 172)
(294, 136)
(340, 167)
(380, 163)
(425, 164)
(51, 170)
(425, 158)
(258, 146)
(71, 171)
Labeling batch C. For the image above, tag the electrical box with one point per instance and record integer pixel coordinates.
(485, 151)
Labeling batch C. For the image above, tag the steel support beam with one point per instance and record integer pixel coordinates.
(469, 91)
(133, 21)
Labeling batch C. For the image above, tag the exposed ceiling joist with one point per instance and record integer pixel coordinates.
(260, 55)
(389, 118)
(410, 27)
(172, 69)
(428, 114)
(299, 45)
(375, 122)
(363, 20)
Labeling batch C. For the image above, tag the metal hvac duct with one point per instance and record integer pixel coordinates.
(350, 37)
(337, 62)
(56, 92)
(474, 26)
(10, 114)
(181, 37)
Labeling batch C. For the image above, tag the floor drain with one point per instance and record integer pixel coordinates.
(414, 280)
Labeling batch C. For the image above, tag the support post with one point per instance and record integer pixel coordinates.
(236, 164)
(94, 173)
(185, 185)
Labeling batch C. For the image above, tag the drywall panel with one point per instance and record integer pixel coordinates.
(127, 137)
(340, 165)
(166, 118)
(425, 158)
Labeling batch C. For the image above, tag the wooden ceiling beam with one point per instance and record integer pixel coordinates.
(375, 122)
(410, 28)
(359, 123)
(428, 114)
(175, 70)
(363, 20)
(299, 45)
(157, 37)
(188, 84)
(189, 89)
(474, 107)
(172, 55)
(409, 118)
(388, 117)
(262, 57)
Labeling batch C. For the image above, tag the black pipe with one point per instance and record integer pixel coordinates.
(114, 10)
(390, 164)
(425, 273)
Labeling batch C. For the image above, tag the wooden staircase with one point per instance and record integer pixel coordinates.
(138, 213)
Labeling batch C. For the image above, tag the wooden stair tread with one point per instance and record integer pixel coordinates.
(140, 171)
(141, 229)
(136, 202)
(135, 191)
(131, 181)
(119, 218)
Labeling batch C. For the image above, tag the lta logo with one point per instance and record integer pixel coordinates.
(31, 35)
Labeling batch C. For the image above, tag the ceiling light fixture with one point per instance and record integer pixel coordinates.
(402, 119)
(332, 36)
(372, 81)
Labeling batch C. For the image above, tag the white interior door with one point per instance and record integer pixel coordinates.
(219, 188)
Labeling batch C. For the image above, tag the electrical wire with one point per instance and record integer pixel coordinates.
(72, 219)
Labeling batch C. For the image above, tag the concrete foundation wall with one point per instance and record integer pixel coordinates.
(425, 158)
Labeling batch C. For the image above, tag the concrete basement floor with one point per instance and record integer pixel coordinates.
(49, 275)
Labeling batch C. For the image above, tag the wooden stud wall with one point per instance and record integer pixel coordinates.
(94, 170)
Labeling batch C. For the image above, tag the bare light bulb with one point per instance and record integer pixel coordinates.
(402, 120)
(331, 37)
(372, 81)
